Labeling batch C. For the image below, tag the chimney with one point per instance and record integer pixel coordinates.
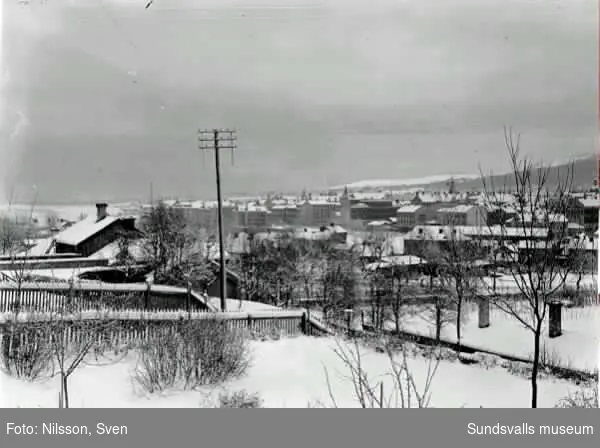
(101, 211)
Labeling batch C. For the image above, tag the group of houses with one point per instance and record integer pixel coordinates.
(92, 244)
(89, 249)
(373, 212)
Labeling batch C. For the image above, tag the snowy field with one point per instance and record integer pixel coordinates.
(577, 347)
(289, 373)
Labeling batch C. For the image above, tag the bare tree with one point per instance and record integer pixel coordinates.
(16, 240)
(403, 390)
(538, 268)
(174, 249)
(441, 312)
(45, 345)
(52, 219)
(582, 262)
(458, 274)
(78, 338)
(259, 269)
(339, 276)
(376, 277)
(585, 397)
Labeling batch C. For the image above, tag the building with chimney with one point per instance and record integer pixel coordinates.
(93, 233)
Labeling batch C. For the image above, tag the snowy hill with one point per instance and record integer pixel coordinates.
(399, 183)
(584, 171)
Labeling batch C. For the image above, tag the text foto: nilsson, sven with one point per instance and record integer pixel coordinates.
(58, 429)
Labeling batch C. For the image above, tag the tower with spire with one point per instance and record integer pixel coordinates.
(345, 207)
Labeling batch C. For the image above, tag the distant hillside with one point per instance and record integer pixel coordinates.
(584, 173)
(397, 184)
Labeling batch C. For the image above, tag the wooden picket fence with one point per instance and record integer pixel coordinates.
(132, 328)
(92, 295)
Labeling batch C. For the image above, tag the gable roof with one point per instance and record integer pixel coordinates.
(84, 229)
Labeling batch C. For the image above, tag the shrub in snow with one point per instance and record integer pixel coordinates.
(401, 392)
(190, 354)
(157, 366)
(579, 297)
(550, 357)
(239, 399)
(518, 368)
(586, 397)
(26, 352)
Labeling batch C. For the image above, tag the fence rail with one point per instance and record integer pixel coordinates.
(91, 295)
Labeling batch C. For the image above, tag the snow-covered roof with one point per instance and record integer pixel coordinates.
(315, 233)
(42, 247)
(395, 260)
(322, 202)
(503, 231)
(436, 233)
(428, 198)
(377, 223)
(84, 229)
(462, 208)
(590, 203)
(574, 225)
(58, 274)
(111, 251)
(409, 209)
(542, 217)
(253, 208)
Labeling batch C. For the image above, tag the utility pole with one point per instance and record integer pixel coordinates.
(216, 140)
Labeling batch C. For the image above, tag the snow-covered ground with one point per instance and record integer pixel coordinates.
(290, 373)
(577, 347)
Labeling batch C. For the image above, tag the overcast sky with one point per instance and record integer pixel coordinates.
(101, 99)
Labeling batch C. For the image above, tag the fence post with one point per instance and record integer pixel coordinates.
(147, 295)
(484, 312)
(304, 323)
(249, 322)
(349, 312)
(555, 317)
(188, 298)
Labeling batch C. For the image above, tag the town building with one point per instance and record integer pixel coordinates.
(285, 214)
(91, 234)
(591, 206)
(367, 210)
(317, 213)
(462, 215)
(253, 217)
(205, 215)
(408, 216)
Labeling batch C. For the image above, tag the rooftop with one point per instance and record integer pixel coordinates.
(590, 203)
(462, 208)
(84, 229)
(409, 209)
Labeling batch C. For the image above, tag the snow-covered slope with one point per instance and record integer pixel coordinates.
(386, 183)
